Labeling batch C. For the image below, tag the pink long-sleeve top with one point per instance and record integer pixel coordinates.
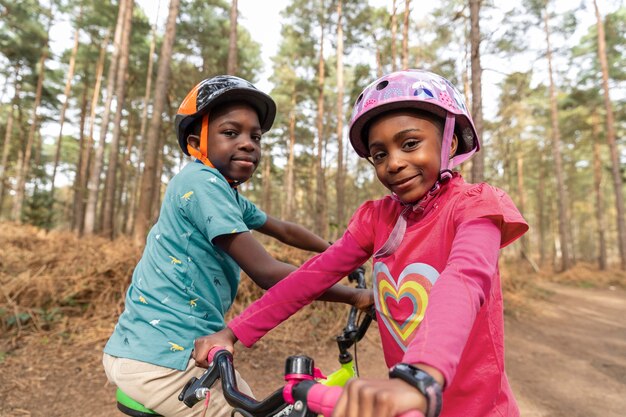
(438, 296)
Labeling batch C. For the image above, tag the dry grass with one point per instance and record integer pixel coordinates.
(57, 286)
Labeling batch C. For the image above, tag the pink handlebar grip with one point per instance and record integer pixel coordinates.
(322, 399)
(213, 352)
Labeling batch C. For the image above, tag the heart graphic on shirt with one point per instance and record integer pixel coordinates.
(402, 303)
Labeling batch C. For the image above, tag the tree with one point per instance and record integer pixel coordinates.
(563, 199)
(340, 177)
(232, 45)
(405, 34)
(478, 161)
(120, 93)
(321, 221)
(610, 137)
(93, 185)
(144, 207)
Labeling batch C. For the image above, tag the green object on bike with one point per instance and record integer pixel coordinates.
(131, 407)
(341, 375)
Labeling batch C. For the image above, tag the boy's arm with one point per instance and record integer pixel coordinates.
(293, 234)
(266, 271)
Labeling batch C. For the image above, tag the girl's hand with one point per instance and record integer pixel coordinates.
(378, 398)
(204, 344)
(363, 299)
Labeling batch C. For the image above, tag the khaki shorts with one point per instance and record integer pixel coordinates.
(157, 387)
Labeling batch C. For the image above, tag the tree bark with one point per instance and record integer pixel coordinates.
(597, 186)
(24, 168)
(405, 34)
(610, 138)
(394, 31)
(340, 178)
(86, 159)
(144, 208)
(478, 161)
(290, 170)
(8, 134)
(232, 43)
(562, 195)
(77, 221)
(321, 223)
(93, 186)
(266, 184)
(66, 95)
(108, 227)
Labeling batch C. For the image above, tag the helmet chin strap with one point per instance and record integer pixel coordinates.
(202, 153)
(448, 132)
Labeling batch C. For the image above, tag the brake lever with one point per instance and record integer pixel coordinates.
(196, 389)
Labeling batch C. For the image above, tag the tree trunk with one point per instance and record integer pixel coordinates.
(93, 185)
(86, 159)
(66, 94)
(405, 34)
(340, 178)
(266, 184)
(597, 186)
(108, 228)
(541, 218)
(289, 170)
(478, 161)
(146, 97)
(144, 208)
(24, 168)
(320, 205)
(394, 31)
(232, 43)
(562, 195)
(610, 137)
(76, 222)
(6, 147)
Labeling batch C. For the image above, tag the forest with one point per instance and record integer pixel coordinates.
(87, 133)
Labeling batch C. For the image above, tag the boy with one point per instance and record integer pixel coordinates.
(188, 275)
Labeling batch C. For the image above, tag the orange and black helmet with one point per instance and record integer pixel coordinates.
(212, 92)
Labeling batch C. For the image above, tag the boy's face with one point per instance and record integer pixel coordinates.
(406, 151)
(234, 141)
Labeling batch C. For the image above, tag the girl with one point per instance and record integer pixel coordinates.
(434, 242)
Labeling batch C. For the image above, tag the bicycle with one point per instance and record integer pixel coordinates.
(302, 396)
(352, 333)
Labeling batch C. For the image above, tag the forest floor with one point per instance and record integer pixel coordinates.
(565, 333)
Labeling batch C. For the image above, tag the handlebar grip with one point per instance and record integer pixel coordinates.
(322, 399)
(214, 350)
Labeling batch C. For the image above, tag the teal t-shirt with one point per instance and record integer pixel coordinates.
(183, 285)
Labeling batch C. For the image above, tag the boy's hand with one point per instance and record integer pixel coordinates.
(204, 344)
(363, 299)
(378, 398)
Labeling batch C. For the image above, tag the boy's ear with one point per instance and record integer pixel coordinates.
(194, 141)
(454, 145)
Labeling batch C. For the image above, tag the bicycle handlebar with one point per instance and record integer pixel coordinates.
(301, 390)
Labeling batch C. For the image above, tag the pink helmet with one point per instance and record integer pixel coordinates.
(416, 89)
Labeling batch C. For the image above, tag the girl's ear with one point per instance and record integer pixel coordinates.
(194, 141)
(454, 145)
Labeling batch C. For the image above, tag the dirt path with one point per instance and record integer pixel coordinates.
(565, 358)
(569, 357)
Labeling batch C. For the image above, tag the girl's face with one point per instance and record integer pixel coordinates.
(234, 141)
(406, 151)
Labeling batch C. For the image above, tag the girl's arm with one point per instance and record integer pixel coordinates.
(288, 296)
(456, 298)
(266, 271)
(293, 234)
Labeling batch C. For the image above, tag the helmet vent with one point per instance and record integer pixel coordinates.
(358, 100)
(382, 85)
